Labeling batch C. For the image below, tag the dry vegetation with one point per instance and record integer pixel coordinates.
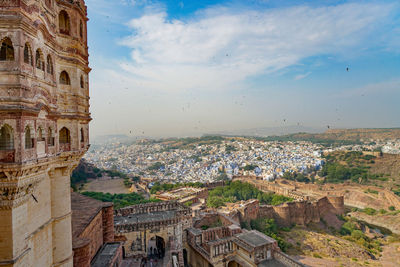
(389, 165)
(107, 185)
(316, 245)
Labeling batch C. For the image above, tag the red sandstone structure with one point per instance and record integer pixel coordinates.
(302, 211)
(44, 127)
(230, 246)
(150, 226)
(93, 232)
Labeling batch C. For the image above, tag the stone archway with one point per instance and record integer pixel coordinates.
(156, 247)
(234, 264)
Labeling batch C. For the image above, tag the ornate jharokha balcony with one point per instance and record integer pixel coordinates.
(7, 156)
(65, 147)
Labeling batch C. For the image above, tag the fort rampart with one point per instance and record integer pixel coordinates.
(302, 212)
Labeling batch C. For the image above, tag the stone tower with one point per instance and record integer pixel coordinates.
(44, 116)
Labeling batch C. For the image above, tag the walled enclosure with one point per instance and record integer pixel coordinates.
(302, 211)
(139, 223)
(44, 106)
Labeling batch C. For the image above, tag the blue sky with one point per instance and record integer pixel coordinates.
(176, 68)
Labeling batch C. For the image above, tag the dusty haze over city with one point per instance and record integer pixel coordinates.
(176, 68)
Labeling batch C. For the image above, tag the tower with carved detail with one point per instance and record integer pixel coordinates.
(44, 117)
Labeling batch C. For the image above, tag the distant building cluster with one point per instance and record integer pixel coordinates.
(386, 146)
(208, 162)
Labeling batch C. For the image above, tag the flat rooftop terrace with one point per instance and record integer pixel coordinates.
(255, 238)
(145, 217)
(105, 255)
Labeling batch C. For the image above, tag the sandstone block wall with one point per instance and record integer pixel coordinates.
(108, 224)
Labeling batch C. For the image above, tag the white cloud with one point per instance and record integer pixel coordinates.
(302, 76)
(222, 47)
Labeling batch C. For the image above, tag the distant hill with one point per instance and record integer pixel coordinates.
(269, 131)
(288, 133)
(342, 135)
(363, 134)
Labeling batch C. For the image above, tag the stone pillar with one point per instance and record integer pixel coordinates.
(108, 224)
(61, 215)
(13, 247)
(82, 253)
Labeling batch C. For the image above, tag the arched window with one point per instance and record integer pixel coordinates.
(28, 54)
(64, 78)
(64, 136)
(6, 138)
(82, 136)
(49, 65)
(39, 60)
(81, 29)
(28, 138)
(7, 50)
(40, 136)
(82, 82)
(50, 138)
(63, 22)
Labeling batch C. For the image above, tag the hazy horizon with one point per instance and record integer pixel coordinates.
(170, 68)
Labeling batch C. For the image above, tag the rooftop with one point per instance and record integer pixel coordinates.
(84, 209)
(105, 255)
(195, 231)
(271, 263)
(255, 239)
(145, 217)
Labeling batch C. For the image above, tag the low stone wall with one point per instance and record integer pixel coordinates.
(148, 207)
(211, 218)
(286, 260)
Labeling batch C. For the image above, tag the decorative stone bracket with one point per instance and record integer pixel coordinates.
(17, 185)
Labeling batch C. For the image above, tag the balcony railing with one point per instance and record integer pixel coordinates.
(65, 147)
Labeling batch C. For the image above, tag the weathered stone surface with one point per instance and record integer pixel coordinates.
(44, 127)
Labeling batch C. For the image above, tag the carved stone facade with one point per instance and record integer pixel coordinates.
(164, 221)
(231, 246)
(44, 106)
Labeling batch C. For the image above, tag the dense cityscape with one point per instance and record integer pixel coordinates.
(200, 134)
(219, 158)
